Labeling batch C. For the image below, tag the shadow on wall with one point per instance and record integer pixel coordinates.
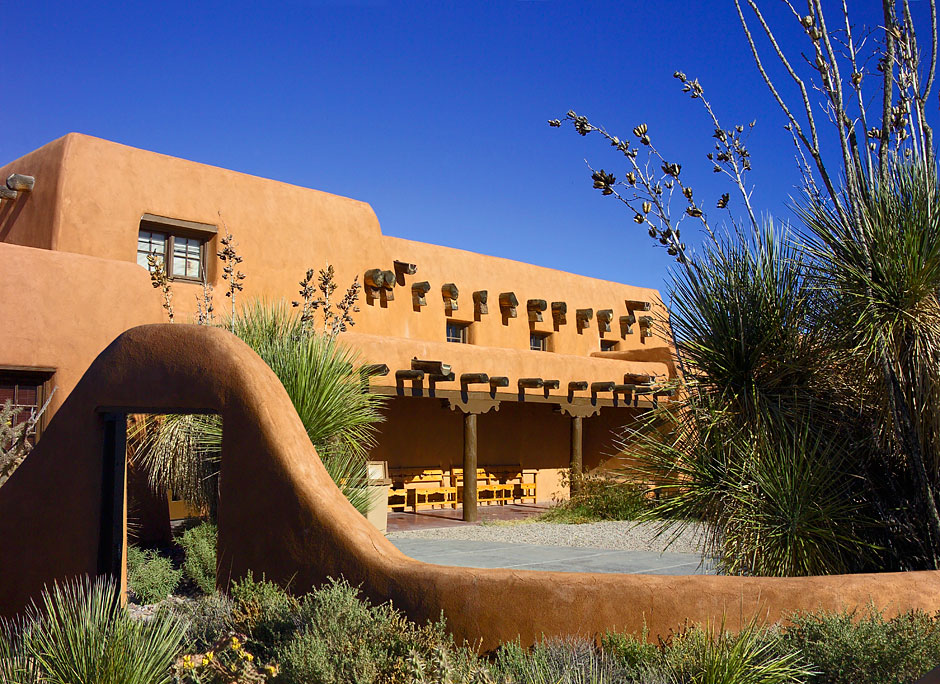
(281, 515)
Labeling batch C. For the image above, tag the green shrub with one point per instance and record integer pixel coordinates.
(81, 634)
(600, 497)
(565, 661)
(207, 619)
(848, 648)
(265, 613)
(150, 575)
(343, 638)
(199, 543)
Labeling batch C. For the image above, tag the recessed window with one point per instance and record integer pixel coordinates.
(457, 332)
(26, 391)
(179, 245)
(609, 345)
(538, 341)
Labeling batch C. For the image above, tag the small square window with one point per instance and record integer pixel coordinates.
(457, 332)
(25, 391)
(179, 245)
(609, 345)
(538, 341)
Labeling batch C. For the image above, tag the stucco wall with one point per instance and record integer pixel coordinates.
(59, 310)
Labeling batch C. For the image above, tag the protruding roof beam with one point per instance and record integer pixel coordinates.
(598, 387)
(559, 313)
(374, 278)
(409, 375)
(430, 367)
(551, 384)
(479, 302)
(577, 386)
(637, 305)
(646, 326)
(499, 381)
(405, 268)
(474, 379)
(626, 324)
(639, 378)
(604, 317)
(583, 318)
(20, 183)
(419, 292)
(508, 303)
(535, 307)
(530, 383)
(375, 370)
(450, 293)
(7, 194)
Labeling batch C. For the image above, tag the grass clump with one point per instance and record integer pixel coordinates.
(151, 576)
(81, 634)
(848, 648)
(199, 543)
(600, 497)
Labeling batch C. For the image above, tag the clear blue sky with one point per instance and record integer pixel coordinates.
(434, 113)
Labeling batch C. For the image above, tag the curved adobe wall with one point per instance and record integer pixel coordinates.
(281, 515)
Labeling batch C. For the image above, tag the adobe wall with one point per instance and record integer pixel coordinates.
(302, 530)
(59, 310)
(90, 195)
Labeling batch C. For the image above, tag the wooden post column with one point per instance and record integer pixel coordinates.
(576, 465)
(470, 467)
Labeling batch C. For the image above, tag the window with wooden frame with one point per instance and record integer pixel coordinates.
(27, 390)
(458, 332)
(180, 245)
(538, 341)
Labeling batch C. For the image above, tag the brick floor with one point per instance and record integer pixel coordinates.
(451, 517)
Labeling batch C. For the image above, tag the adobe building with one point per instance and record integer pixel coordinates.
(532, 368)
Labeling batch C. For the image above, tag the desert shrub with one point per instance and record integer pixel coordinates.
(150, 575)
(342, 638)
(848, 648)
(199, 543)
(564, 661)
(81, 634)
(207, 619)
(265, 613)
(600, 497)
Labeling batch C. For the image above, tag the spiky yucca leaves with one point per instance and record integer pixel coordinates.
(81, 634)
(326, 385)
(878, 277)
(757, 447)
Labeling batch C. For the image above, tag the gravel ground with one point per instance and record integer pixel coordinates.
(620, 535)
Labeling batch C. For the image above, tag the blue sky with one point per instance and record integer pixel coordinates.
(434, 113)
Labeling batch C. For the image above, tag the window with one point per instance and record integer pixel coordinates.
(538, 341)
(609, 345)
(180, 245)
(26, 391)
(457, 332)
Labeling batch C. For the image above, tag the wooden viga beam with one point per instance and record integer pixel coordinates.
(450, 293)
(374, 278)
(18, 182)
(646, 326)
(598, 387)
(551, 384)
(560, 312)
(535, 307)
(638, 378)
(375, 369)
(626, 324)
(474, 379)
(577, 386)
(498, 381)
(636, 305)
(508, 303)
(405, 268)
(430, 367)
(405, 374)
(479, 302)
(530, 383)
(419, 293)
(583, 318)
(604, 317)
(7, 194)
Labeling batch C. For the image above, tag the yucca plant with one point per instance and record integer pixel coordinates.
(81, 634)
(877, 276)
(326, 384)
